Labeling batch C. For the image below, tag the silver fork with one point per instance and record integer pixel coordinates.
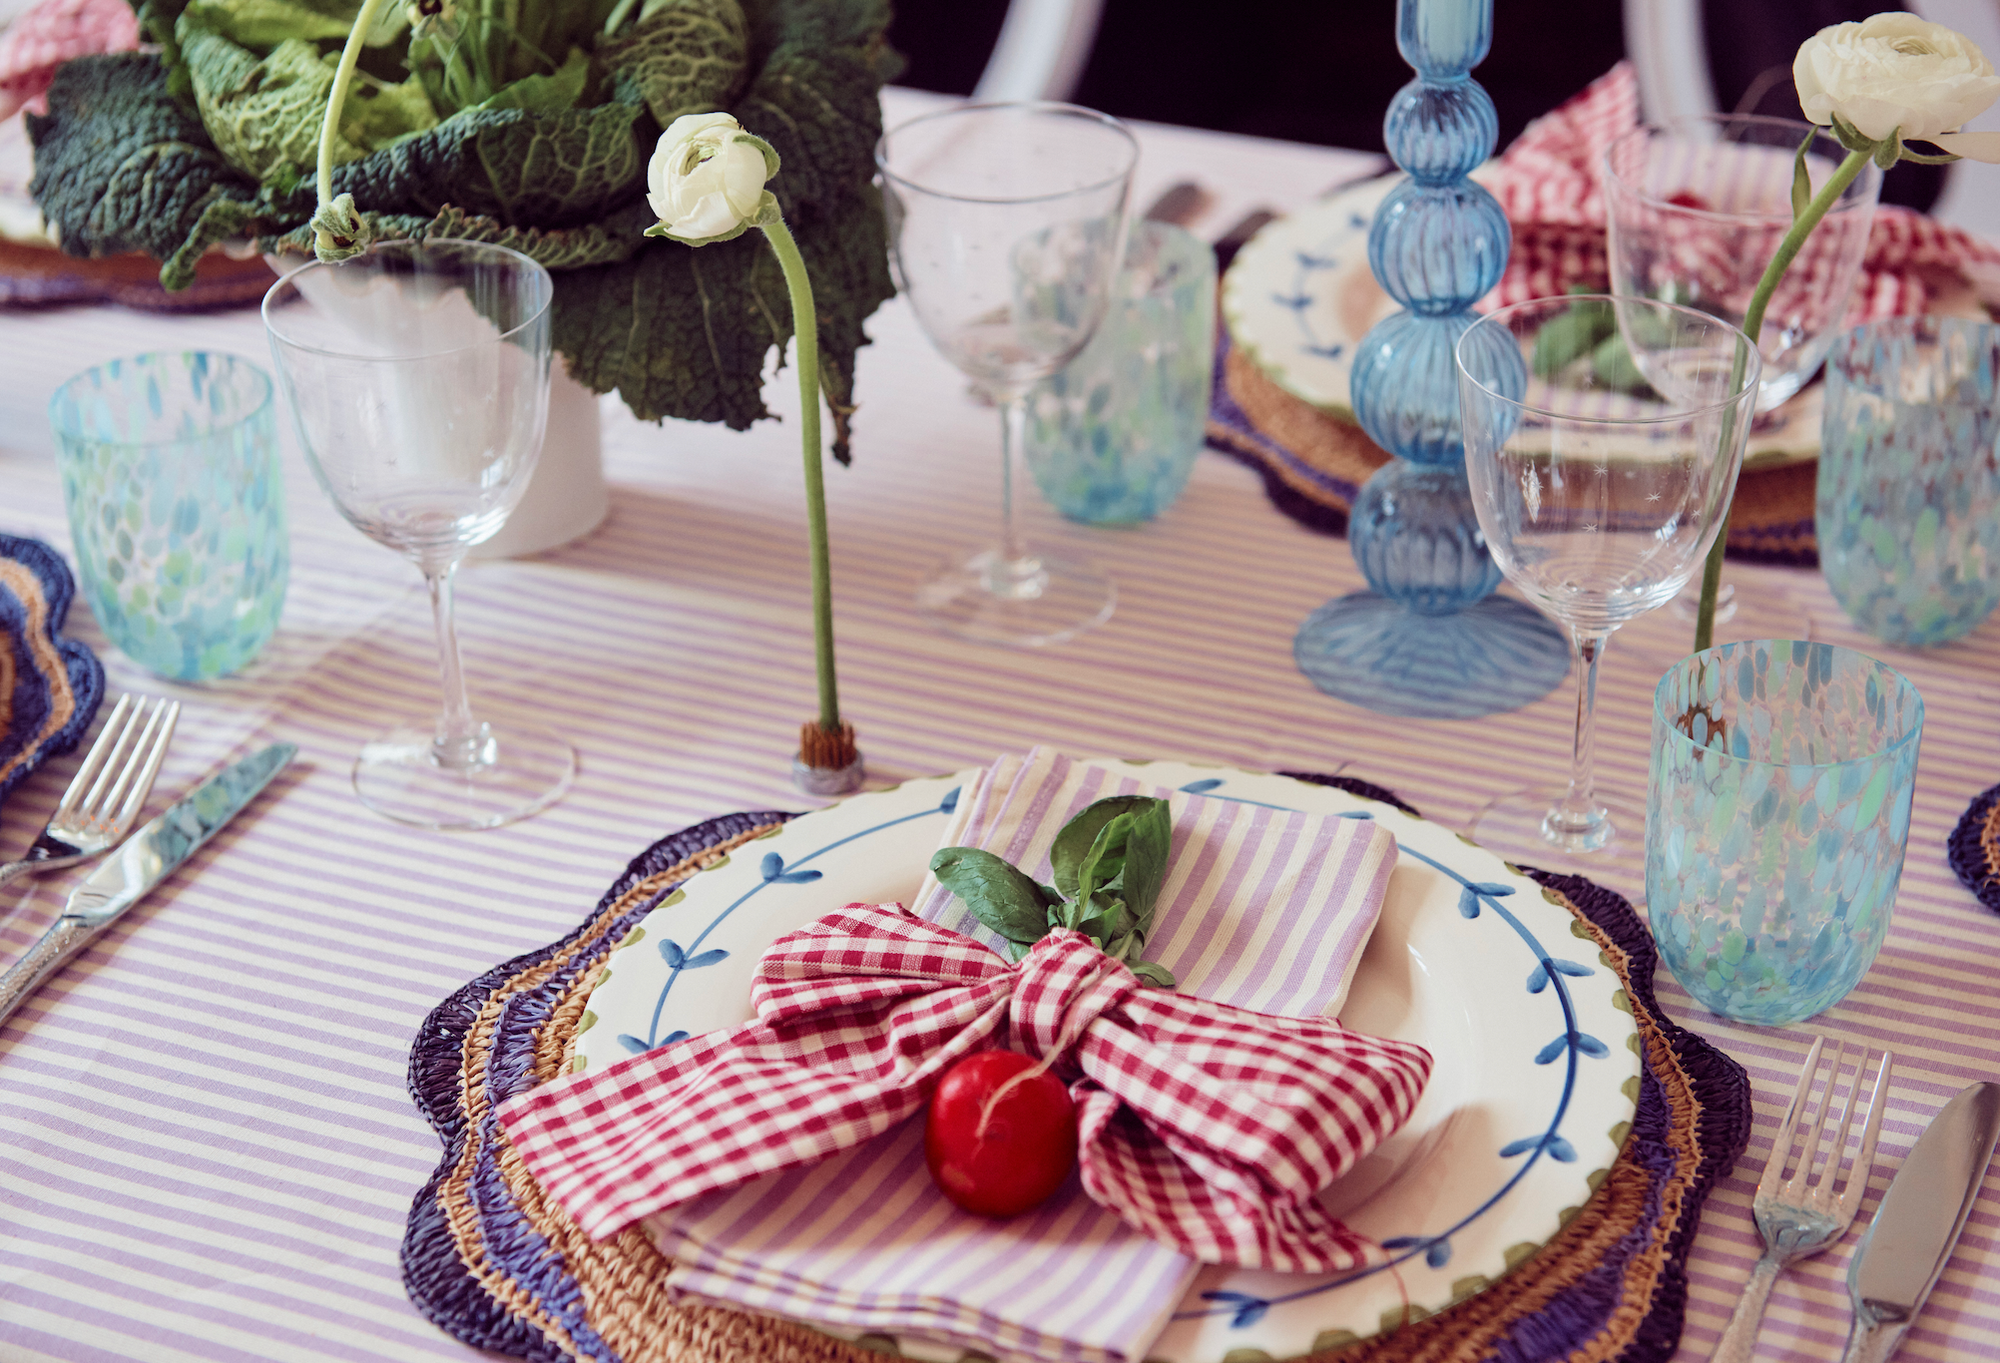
(110, 788)
(1797, 1220)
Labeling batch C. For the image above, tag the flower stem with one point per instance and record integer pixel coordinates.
(1753, 323)
(343, 77)
(805, 326)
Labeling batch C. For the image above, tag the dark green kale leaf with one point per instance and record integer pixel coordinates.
(682, 57)
(121, 165)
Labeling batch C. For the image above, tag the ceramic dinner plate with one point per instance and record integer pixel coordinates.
(1536, 1051)
(1300, 295)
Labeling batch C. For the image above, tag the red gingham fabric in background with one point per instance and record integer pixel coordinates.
(1550, 181)
(1207, 1127)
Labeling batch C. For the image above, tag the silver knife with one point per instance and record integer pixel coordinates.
(141, 862)
(1917, 1225)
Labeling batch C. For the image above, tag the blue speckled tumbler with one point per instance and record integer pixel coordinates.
(1779, 811)
(177, 507)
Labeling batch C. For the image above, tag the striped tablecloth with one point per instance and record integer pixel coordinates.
(206, 1148)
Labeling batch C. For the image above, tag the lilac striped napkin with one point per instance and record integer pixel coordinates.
(1262, 908)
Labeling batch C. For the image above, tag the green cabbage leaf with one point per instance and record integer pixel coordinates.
(216, 138)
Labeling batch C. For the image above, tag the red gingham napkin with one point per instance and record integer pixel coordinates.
(48, 35)
(1551, 183)
(1207, 1127)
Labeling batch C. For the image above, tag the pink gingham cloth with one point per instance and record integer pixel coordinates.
(49, 34)
(1551, 183)
(1207, 1127)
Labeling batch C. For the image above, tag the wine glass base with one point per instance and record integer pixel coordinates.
(1738, 615)
(526, 769)
(1516, 827)
(1497, 654)
(1035, 600)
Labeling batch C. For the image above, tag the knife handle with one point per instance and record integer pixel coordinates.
(1878, 1328)
(63, 940)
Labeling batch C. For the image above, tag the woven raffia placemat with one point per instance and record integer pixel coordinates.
(493, 1261)
(1974, 848)
(1314, 464)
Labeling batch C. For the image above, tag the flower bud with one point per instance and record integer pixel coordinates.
(706, 180)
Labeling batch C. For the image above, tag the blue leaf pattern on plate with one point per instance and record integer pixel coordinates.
(1538, 978)
(1558, 1148)
(1201, 787)
(1249, 1309)
(632, 1043)
(1439, 1254)
(774, 870)
(1468, 902)
(949, 804)
(671, 952)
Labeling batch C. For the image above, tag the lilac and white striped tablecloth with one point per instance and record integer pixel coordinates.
(206, 1147)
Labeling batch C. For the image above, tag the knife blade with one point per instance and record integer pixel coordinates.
(1917, 1225)
(141, 862)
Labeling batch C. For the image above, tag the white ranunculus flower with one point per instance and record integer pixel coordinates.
(1897, 72)
(706, 179)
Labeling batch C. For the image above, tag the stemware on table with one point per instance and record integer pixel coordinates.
(418, 376)
(1007, 223)
(1695, 210)
(1599, 488)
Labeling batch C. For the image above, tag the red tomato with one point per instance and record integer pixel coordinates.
(1027, 1146)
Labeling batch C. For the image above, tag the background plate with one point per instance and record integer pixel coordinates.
(1300, 295)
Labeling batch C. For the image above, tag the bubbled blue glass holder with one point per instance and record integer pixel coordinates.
(1429, 638)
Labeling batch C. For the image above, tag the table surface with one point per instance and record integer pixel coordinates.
(209, 1150)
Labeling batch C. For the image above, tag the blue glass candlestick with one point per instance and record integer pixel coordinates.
(1430, 639)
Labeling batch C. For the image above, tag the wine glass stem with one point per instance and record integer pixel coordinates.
(1013, 430)
(1578, 820)
(460, 741)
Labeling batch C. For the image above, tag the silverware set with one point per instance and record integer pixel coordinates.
(98, 810)
(1915, 1228)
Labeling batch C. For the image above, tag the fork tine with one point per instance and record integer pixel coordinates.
(1781, 1144)
(1856, 1186)
(135, 760)
(148, 764)
(93, 761)
(114, 763)
(1810, 1155)
(1824, 1182)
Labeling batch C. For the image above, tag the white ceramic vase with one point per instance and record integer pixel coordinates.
(566, 498)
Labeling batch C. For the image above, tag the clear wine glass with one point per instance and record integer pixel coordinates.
(1600, 484)
(1007, 223)
(418, 377)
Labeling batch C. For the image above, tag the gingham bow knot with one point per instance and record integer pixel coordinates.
(1207, 1127)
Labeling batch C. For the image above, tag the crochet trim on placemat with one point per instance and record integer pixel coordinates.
(494, 1262)
(1974, 848)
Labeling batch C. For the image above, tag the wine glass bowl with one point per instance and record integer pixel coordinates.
(1600, 474)
(1007, 223)
(1696, 208)
(417, 375)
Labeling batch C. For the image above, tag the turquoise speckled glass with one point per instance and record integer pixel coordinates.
(1112, 438)
(1776, 824)
(177, 507)
(1908, 506)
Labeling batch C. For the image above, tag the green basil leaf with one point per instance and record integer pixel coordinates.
(1152, 973)
(1146, 852)
(1106, 859)
(1001, 897)
(1073, 844)
(1801, 177)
